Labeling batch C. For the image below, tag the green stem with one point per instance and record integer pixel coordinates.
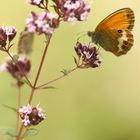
(56, 79)
(18, 105)
(20, 132)
(35, 82)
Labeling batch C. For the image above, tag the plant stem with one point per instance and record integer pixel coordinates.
(56, 79)
(39, 69)
(18, 105)
(35, 82)
(20, 132)
(23, 134)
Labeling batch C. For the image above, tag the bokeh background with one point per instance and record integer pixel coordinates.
(90, 104)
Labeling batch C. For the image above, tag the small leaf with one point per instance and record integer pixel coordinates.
(31, 132)
(15, 58)
(9, 131)
(25, 42)
(48, 87)
(75, 60)
(65, 71)
(11, 108)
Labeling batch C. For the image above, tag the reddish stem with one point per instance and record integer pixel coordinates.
(56, 79)
(39, 69)
(35, 82)
(18, 105)
(20, 132)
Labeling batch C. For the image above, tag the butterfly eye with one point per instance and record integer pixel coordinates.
(119, 31)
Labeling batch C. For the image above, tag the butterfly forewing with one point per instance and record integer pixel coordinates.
(123, 18)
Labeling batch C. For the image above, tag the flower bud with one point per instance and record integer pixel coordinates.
(19, 68)
(10, 32)
(3, 38)
(7, 33)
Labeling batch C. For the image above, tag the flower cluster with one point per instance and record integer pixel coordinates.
(89, 55)
(72, 10)
(43, 22)
(7, 33)
(17, 69)
(31, 115)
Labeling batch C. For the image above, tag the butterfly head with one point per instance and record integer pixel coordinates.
(93, 36)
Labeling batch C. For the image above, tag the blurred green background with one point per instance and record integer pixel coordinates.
(90, 104)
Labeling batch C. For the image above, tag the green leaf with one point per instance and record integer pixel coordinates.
(15, 58)
(9, 131)
(65, 71)
(75, 60)
(31, 132)
(11, 108)
(48, 87)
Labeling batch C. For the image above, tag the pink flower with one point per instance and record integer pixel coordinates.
(17, 69)
(25, 109)
(43, 22)
(88, 55)
(72, 10)
(10, 32)
(31, 115)
(7, 33)
(34, 2)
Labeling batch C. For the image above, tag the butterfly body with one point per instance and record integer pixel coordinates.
(114, 32)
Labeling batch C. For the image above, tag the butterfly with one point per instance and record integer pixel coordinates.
(114, 32)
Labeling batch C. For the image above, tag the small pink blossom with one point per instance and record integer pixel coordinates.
(72, 10)
(34, 2)
(7, 33)
(26, 120)
(9, 30)
(88, 55)
(25, 109)
(84, 16)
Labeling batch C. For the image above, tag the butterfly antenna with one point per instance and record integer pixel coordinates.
(82, 34)
(98, 48)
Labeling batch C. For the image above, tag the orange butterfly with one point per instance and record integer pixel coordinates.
(114, 32)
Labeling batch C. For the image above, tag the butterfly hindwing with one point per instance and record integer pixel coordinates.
(118, 41)
(125, 42)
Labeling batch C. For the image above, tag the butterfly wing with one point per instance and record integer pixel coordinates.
(114, 32)
(122, 18)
